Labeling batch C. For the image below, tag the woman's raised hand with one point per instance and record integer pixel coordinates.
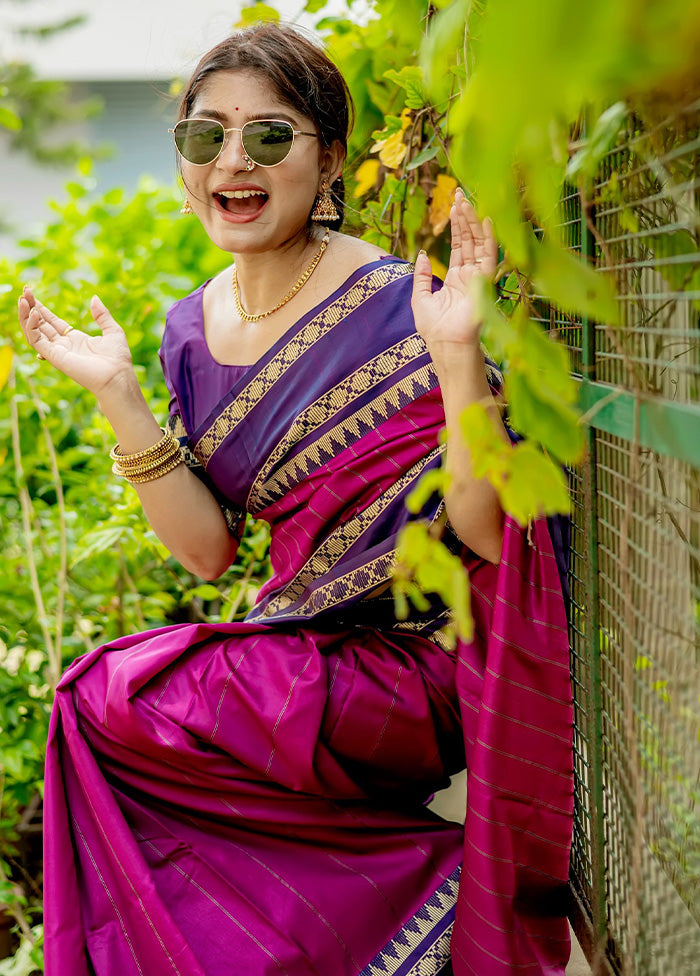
(450, 315)
(92, 361)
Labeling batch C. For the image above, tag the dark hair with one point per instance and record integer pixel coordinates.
(301, 73)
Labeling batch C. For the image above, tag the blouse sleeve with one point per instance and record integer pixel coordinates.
(235, 517)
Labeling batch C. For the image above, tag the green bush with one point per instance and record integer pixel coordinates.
(80, 565)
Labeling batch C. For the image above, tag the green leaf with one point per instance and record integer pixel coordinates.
(9, 119)
(205, 591)
(603, 137)
(258, 13)
(410, 78)
(75, 190)
(443, 41)
(113, 196)
(540, 417)
(43, 32)
(28, 959)
(95, 542)
(425, 565)
(572, 284)
(430, 152)
(539, 389)
(527, 481)
(535, 485)
(392, 124)
(436, 480)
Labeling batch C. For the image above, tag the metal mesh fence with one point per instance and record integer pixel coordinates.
(635, 566)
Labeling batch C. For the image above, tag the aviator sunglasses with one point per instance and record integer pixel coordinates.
(266, 141)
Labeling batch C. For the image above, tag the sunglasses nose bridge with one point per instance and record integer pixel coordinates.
(231, 140)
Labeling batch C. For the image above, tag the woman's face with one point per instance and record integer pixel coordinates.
(281, 197)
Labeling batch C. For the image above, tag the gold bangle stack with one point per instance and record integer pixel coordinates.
(147, 465)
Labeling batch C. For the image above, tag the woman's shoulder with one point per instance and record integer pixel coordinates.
(353, 251)
(350, 256)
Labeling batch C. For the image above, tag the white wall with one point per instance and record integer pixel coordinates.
(147, 39)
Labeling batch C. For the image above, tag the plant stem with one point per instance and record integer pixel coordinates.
(63, 550)
(27, 512)
(235, 604)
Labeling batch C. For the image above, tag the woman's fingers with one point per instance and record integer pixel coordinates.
(422, 278)
(490, 246)
(473, 244)
(102, 316)
(457, 252)
(28, 296)
(53, 325)
(42, 328)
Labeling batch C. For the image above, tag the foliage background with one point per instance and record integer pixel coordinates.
(512, 99)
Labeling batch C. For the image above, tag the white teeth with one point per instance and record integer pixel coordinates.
(241, 194)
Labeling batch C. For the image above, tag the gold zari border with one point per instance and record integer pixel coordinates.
(298, 345)
(369, 417)
(389, 361)
(341, 539)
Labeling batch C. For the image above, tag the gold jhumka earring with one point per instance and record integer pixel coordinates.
(324, 210)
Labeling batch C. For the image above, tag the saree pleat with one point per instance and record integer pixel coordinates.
(191, 829)
(250, 797)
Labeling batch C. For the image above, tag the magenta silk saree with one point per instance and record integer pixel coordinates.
(250, 797)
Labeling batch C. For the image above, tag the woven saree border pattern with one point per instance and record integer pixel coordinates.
(301, 342)
(422, 946)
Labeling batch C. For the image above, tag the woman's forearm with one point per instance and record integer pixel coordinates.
(472, 503)
(181, 510)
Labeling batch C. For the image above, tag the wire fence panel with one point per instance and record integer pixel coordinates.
(635, 563)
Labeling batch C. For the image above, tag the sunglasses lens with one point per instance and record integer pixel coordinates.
(267, 143)
(199, 140)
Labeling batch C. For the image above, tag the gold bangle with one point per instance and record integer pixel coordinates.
(151, 463)
(165, 446)
(143, 468)
(150, 474)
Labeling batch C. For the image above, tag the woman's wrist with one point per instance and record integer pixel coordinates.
(460, 368)
(125, 408)
(454, 356)
(120, 392)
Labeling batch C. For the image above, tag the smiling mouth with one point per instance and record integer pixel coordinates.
(241, 202)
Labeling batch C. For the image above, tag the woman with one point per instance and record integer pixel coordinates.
(249, 797)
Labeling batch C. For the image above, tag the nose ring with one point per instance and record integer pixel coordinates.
(249, 164)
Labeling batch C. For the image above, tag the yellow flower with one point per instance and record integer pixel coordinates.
(393, 149)
(443, 197)
(366, 176)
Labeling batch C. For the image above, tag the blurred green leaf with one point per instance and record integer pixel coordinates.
(9, 119)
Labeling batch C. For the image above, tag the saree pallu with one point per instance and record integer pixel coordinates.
(250, 797)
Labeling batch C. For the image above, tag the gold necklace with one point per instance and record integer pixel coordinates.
(247, 317)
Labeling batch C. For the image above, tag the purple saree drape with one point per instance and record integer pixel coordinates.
(249, 798)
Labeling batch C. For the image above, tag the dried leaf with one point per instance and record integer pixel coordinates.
(393, 149)
(366, 176)
(443, 197)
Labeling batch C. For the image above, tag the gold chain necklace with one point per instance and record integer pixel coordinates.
(247, 317)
